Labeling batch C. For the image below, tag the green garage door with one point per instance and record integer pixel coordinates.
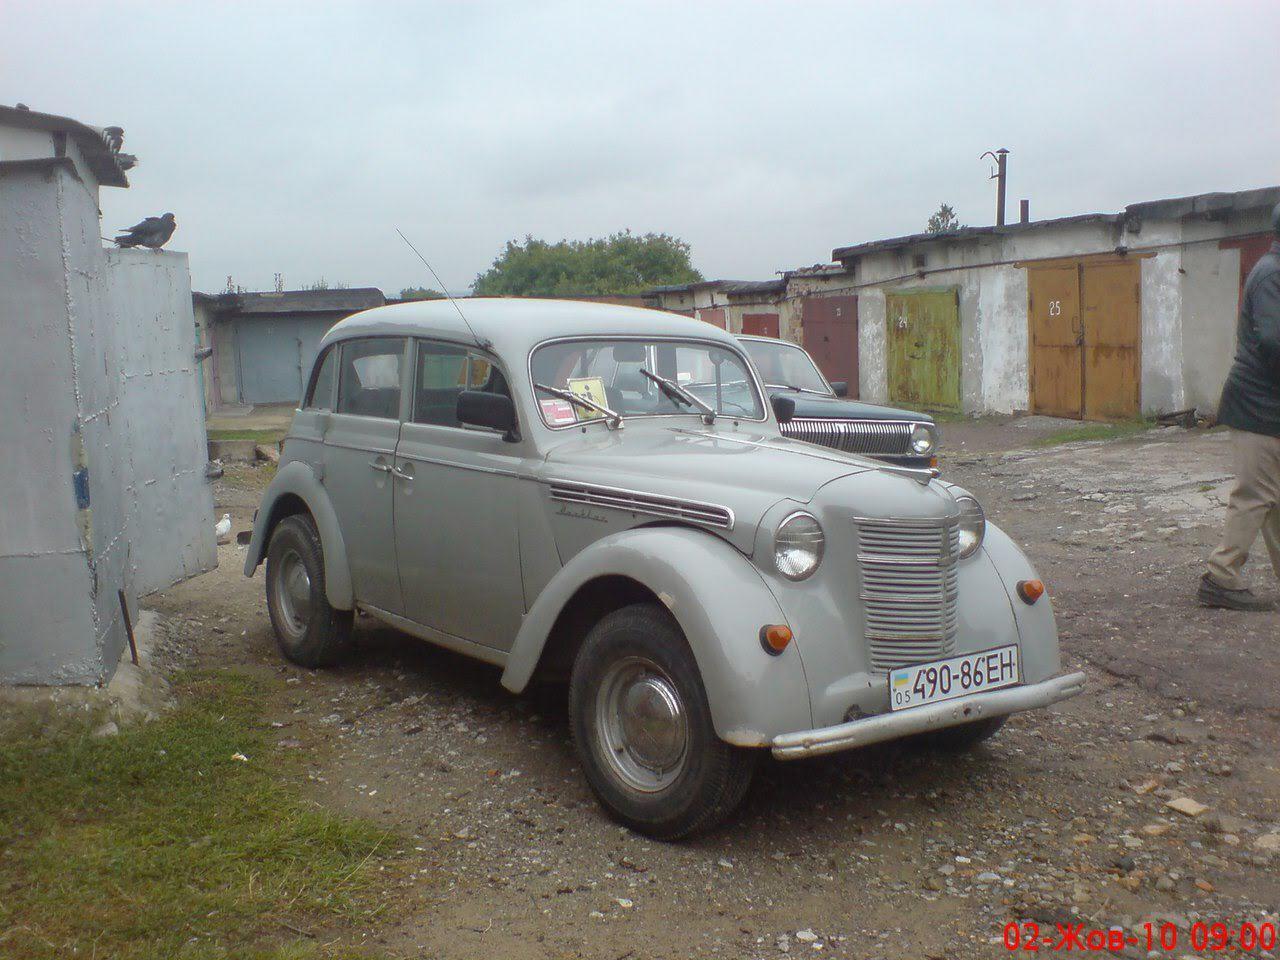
(924, 348)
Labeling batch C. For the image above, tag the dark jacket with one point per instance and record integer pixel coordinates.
(1251, 398)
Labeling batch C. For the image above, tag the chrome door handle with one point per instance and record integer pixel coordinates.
(380, 467)
(400, 474)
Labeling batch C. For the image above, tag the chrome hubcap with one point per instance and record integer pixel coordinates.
(642, 726)
(293, 592)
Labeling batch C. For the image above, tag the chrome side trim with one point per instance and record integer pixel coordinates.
(933, 716)
(635, 501)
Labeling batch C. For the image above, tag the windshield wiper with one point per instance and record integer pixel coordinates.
(792, 386)
(680, 395)
(612, 417)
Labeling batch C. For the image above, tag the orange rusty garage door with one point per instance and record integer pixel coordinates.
(1085, 329)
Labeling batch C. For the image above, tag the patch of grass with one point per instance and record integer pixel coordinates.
(248, 476)
(261, 436)
(1094, 431)
(156, 843)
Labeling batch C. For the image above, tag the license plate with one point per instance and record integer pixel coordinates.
(955, 677)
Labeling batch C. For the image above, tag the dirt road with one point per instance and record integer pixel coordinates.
(1062, 818)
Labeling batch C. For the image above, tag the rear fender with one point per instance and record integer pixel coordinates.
(720, 602)
(297, 479)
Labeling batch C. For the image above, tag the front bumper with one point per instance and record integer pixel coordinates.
(934, 716)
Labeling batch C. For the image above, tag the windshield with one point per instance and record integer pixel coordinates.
(785, 365)
(608, 372)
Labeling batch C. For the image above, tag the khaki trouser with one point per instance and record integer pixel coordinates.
(1254, 507)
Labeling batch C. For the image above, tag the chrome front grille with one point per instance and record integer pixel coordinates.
(908, 589)
(891, 438)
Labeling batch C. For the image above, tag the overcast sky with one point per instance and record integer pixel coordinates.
(293, 139)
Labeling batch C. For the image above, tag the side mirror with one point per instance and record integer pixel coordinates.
(491, 410)
(841, 387)
(784, 408)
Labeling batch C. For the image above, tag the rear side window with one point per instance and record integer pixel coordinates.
(369, 380)
(320, 396)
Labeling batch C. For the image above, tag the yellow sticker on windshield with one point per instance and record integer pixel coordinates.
(589, 388)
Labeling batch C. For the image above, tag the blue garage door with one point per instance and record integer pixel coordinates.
(275, 356)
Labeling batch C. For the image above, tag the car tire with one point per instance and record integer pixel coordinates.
(963, 736)
(309, 631)
(643, 730)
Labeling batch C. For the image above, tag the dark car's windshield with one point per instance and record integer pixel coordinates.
(609, 373)
(785, 365)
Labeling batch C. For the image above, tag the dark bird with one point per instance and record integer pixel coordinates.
(114, 138)
(153, 232)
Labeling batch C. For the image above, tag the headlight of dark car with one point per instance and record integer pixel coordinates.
(973, 525)
(924, 439)
(798, 546)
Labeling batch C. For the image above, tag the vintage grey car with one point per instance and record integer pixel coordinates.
(601, 495)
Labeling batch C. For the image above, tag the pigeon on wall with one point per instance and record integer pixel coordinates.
(153, 232)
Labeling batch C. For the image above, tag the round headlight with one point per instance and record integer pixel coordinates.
(798, 546)
(973, 525)
(924, 438)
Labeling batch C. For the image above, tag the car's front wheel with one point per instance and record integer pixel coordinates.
(643, 728)
(310, 632)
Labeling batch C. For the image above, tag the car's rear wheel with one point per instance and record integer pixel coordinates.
(643, 728)
(309, 631)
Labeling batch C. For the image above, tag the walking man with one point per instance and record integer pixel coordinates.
(1251, 408)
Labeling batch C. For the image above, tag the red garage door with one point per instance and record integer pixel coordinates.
(760, 324)
(830, 327)
(1251, 251)
(713, 315)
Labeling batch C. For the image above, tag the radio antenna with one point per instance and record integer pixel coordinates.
(480, 342)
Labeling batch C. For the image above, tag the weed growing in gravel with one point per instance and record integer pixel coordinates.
(1094, 431)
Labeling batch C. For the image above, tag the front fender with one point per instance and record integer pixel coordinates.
(1037, 628)
(297, 479)
(720, 601)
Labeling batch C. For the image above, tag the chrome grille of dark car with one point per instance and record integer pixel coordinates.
(875, 437)
(908, 589)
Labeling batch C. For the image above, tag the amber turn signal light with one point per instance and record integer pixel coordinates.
(774, 638)
(1030, 590)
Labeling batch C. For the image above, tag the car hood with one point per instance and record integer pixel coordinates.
(809, 405)
(746, 471)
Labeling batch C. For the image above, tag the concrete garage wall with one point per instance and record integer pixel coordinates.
(90, 388)
(1189, 299)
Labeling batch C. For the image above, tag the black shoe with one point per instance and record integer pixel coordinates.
(1213, 594)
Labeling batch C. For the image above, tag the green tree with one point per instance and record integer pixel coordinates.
(618, 264)
(420, 293)
(944, 221)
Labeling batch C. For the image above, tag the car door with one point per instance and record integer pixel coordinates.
(455, 504)
(359, 453)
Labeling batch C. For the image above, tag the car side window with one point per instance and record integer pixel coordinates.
(320, 396)
(444, 371)
(442, 375)
(369, 377)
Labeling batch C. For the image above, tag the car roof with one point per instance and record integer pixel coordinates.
(514, 325)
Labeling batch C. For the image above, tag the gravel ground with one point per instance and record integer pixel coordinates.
(1068, 816)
